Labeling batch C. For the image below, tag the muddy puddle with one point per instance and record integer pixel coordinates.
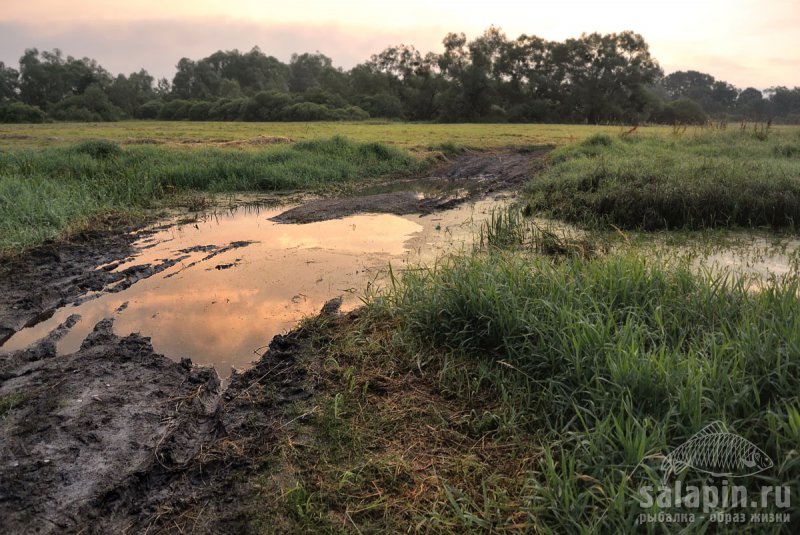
(757, 256)
(223, 285)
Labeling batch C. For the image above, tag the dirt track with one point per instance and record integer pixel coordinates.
(468, 176)
(117, 438)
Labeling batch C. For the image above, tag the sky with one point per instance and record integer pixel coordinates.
(744, 42)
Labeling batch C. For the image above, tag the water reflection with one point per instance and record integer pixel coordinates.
(242, 278)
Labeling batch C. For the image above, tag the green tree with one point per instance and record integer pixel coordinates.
(307, 70)
(605, 74)
(9, 82)
(751, 105)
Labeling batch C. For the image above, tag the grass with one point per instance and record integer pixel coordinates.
(511, 392)
(509, 228)
(45, 192)
(416, 136)
(702, 180)
(10, 402)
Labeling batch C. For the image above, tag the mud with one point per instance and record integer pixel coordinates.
(115, 437)
(467, 177)
(57, 274)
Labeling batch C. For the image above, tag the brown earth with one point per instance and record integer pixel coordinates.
(469, 176)
(116, 438)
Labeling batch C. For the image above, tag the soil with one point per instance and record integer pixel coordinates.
(467, 177)
(117, 438)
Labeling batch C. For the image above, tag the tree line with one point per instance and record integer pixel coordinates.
(595, 78)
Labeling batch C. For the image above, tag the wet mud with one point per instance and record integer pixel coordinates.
(468, 177)
(116, 438)
(113, 436)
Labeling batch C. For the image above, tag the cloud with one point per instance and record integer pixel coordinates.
(157, 45)
(760, 53)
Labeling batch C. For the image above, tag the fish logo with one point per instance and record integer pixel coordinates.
(718, 452)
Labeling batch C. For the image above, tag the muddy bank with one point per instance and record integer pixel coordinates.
(466, 177)
(81, 424)
(53, 275)
(62, 274)
(116, 438)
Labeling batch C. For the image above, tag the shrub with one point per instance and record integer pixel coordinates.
(91, 105)
(150, 110)
(199, 111)
(98, 149)
(307, 111)
(175, 110)
(17, 112)
(350, 113)
(265, 106)
(683, 111)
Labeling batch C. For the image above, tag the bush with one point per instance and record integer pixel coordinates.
(350, 113)
(307, 111)
(265, 106)
(535, 111)
(150, 110)
(175, 110)
(90, 106)
(17, 112)
(384, 105)
(683, 111)
(76, 114)
(199, 111)
(229, 110)
(99, 149)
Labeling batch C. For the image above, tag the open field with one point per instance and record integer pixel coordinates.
(405, 135)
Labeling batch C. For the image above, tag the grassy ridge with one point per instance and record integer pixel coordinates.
(45, 191)
(707, 180)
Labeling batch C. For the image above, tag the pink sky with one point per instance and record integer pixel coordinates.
(745, 42)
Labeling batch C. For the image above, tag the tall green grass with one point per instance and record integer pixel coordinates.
(45, 191)
(609, 363)
(711, 179)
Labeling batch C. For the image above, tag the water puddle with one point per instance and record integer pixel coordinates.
(224, 285)
(755, 255)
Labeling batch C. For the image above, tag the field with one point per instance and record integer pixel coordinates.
(409, 136)
(532, 383)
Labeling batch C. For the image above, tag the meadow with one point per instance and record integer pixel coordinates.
(51, 191)
(56, 179)
(534, 384)
(400, 134)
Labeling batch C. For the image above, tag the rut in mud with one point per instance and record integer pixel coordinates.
(470, 176)
(111, 435)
